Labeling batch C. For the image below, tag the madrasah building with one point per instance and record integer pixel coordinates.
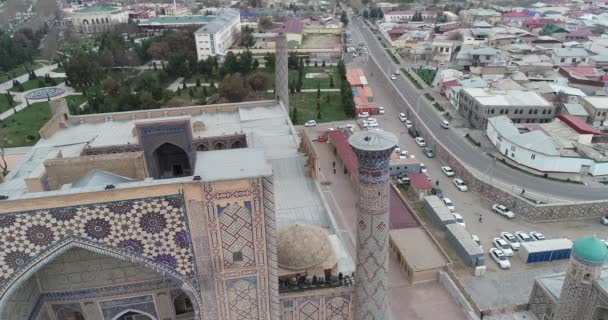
(201, 212)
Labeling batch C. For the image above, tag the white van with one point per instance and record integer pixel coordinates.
(445, 124)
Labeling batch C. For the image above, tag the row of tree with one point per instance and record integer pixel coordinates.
(18, 49)
(373, 13)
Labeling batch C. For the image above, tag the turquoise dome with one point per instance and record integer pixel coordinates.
(590, 249)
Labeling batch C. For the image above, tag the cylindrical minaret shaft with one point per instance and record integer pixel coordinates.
(373, 150)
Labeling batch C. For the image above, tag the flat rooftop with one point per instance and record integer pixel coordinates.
(173, 20)
(418, 249)
(96, 9)
(507, 98)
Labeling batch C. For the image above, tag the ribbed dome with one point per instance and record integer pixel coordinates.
(303, 247)
(590, 249)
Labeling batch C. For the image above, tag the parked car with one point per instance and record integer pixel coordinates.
(412, 132)
(460, 185)
(437, 192)
(447, 171)
(363, 115)
(403, 181)
(397, 150)
(397, 71)
(448, 203)
(604, 220)
(500, 258)
(420, 142)
(393, 77)
(445, 124)
(402, 117)
(403, 154)
(381, 110)
(510, 238)
(503, 211)
(408, 124)
(501, 244)
(476, 240)
(537, 236)
(523, 237)
(423, 168)
(459, 219)
(428, 152)
(310, 123)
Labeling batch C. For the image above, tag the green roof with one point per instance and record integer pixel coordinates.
(94, 9)
(590, 249)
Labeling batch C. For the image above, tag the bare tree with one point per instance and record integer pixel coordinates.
(3, 163)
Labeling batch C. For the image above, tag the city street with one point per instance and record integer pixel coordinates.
(503, 176)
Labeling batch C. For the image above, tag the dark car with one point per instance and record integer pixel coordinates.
(428, 152)
(437, 192)
(412, 131)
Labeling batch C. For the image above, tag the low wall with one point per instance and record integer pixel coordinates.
(522, 208)
(449, 285)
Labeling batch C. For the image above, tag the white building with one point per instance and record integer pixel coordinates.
(217, 36)
(178, 11)
(406, 15)
(96, 19)
(569, 56)
(561, 146)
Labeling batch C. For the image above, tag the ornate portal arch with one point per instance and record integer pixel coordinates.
(150, 232)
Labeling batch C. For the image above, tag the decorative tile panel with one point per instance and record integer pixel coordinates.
(237, 234)
(151, 230)
(243, 299)
(337, 309)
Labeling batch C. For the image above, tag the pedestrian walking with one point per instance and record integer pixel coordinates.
(523, 191)
(333, 164)
(480, 218)
(334, 170)
(437, 183)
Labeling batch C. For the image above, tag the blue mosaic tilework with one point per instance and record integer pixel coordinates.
(153, 230)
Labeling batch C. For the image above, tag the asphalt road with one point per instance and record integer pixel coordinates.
(503, 176)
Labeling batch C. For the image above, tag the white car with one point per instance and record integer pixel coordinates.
(408, 124)
(397, 71)
(537, 236)
(354, 54)
(460, 185)
(445, 124)
(503, 211)
(393, 77)
(500, 258)
(402, 117)
(503, 245)
(476, 239)
(381, 110)
(459, 219)
(447, 171)
(510, 238)
(420, 142)
(397, 149)
(363, 115)
(523, 237)
(423, 168)
(449, 204)
(604, 220)
(403, 154)
(310, 123)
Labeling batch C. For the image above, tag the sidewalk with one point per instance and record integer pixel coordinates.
(20, 96)
(23, 78)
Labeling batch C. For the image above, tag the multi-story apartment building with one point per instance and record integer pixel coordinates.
(178, 11)
(217, 36)
(479, 104)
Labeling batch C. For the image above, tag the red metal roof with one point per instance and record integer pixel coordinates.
(578, 125)
(400, 216)
(340, 139)
(419, 181)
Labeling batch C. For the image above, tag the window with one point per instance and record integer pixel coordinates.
(513, 148)
(533, 157)
(549, 111)
(530, 111)
(535, 111)
(544, 111)
(573, 59)
(562, 60)
(237, 256)
(492, 111)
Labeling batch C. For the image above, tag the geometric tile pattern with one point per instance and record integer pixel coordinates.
(309, 311)
(243, 300)
(237, 235)
(337, 309)
(151, 229)
(371, 277)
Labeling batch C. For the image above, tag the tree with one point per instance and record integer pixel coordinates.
(269, 61)
(198, 82)
(245, 62)
(323, 63)
(316, 64)
(179, 66)
(365, 14)
(3, 163)
(292, 61)
(231, 64)
(260, 82)
(247, 39)
(83, 70)
(342, 70)
(233, 88)
(265, 23)
(344, 18)
(331, 81)
(318, 90)
(294, 115)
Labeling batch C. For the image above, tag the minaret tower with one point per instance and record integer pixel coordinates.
(586, 260)
(373, 150)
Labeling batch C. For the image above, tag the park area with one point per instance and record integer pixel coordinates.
(22, 128)
(306, 105)
(427, 75)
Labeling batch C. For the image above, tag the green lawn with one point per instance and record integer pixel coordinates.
(75, 100)
(306, 103)
(59, 70)
(18, 71)
(33, 84)
(4, 103)
(310, 83)
(22, 128)
(427, 75)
